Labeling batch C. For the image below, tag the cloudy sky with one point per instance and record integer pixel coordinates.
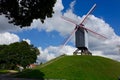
(49, 37)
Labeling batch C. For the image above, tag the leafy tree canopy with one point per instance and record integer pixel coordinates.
(22, 12)
(19, 53)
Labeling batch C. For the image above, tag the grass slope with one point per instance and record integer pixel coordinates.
(77, 68)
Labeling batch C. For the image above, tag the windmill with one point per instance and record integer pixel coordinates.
(81, 34)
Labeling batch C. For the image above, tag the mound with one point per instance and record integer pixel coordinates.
(76, 68)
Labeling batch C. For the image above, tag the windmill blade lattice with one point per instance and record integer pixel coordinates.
(99, 35)
(69, 20)
(90, 11)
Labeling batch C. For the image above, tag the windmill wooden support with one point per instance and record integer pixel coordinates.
(81, 33)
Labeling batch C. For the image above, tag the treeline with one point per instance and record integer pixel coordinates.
(18, 53)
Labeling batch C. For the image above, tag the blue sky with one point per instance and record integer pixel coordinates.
(105, 19)
(109, 11)
(41, 38)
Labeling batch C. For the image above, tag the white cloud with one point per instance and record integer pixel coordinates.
(72, 4)
(100, 26)
(112, 56)
(27, 40)
(5, 26)
(56, 22)
(7, 38)
(58, 6)
(53, 51)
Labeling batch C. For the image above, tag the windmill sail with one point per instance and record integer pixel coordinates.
(72, 21)
(97, 34)
(89, 12)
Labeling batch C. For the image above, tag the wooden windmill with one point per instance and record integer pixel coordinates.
(81, 34)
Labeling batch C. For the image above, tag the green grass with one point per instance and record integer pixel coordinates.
(4, 71)
(7, 71)
(76, 68)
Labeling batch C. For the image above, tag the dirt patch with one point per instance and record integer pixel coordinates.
(12, 71)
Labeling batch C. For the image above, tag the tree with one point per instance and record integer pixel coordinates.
(19, 53)
(22, 12)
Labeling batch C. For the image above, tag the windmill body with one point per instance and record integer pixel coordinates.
(81, 39)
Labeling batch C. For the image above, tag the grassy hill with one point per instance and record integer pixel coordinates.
(76, 68)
